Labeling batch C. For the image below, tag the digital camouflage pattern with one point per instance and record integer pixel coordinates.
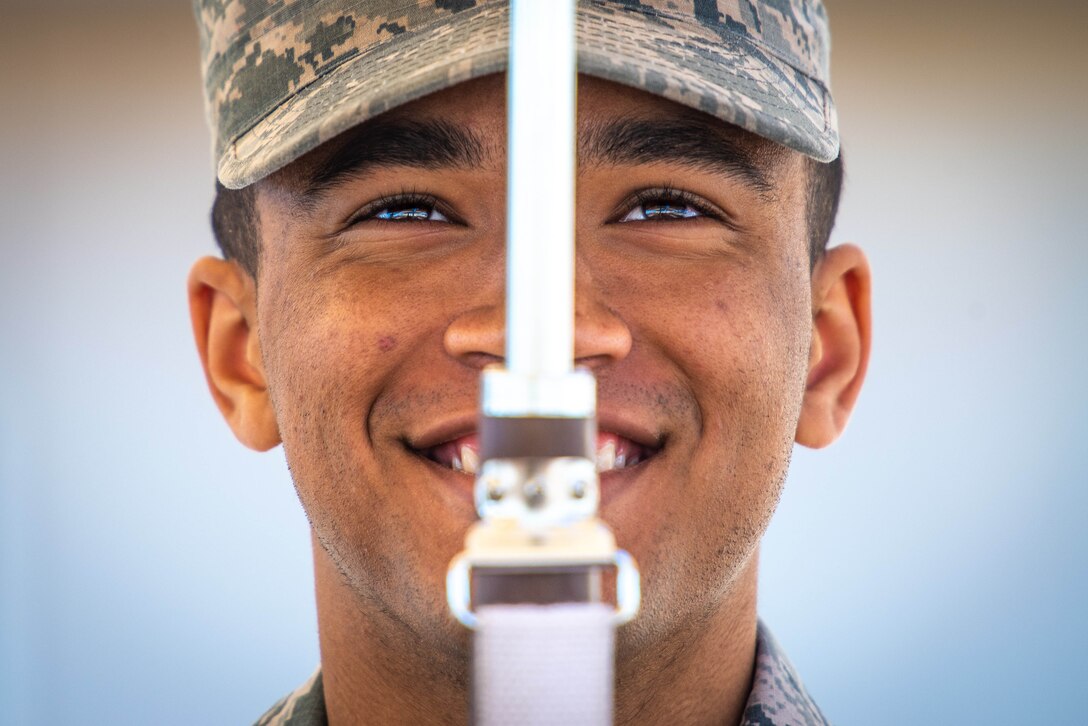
(777, 698)
(283, 76)
(304, 706)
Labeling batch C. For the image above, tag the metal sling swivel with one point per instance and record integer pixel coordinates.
(529, 580)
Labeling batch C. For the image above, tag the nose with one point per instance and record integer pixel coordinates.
(601, 336)
(477, 337)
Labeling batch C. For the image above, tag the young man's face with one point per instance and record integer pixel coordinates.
(380, 298)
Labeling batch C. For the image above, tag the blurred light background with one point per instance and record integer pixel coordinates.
(929, 568)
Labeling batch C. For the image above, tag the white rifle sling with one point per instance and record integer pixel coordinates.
(541, 665)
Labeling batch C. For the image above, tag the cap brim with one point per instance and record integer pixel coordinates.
(726, 75)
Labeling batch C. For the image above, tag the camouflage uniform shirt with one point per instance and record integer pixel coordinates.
(778, 698)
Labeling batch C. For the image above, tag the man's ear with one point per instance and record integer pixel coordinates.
(223, 308)
(841, 337)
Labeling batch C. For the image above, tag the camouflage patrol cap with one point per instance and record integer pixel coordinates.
(283, 76)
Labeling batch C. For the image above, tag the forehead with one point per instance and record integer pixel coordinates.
(466, 125)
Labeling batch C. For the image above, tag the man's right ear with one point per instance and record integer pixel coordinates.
(223, 308)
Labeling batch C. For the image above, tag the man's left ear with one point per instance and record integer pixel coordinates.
(841, 337)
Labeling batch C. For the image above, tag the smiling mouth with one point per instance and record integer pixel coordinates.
(614, 453)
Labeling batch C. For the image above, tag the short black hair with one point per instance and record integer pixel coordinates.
(237, 226)
(825, 182)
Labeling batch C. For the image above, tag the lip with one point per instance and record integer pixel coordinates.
(466, 425)
(629, 428)
(447, 430)
(460, 484)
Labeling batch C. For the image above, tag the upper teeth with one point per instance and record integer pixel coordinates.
(606, 457)
(470, 460)
(467, 460)
(609, 460)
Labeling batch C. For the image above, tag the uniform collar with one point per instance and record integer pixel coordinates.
(777, 697)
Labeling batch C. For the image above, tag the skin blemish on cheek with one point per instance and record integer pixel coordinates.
(386, 343)
(720, 304)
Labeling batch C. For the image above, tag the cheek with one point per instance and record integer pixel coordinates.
(748, 364)
(327, 353)
(348, 327)
(729, 329)
(737, 338)
(328, 356)
(322, 351)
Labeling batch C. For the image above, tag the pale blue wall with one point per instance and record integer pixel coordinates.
(929, 568)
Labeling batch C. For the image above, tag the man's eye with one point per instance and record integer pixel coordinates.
(403, 209)
(663, 206)
(661, 210)
(410, 213)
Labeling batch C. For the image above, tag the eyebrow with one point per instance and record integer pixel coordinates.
(422, 144)
(687, 142)
(431, 143)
